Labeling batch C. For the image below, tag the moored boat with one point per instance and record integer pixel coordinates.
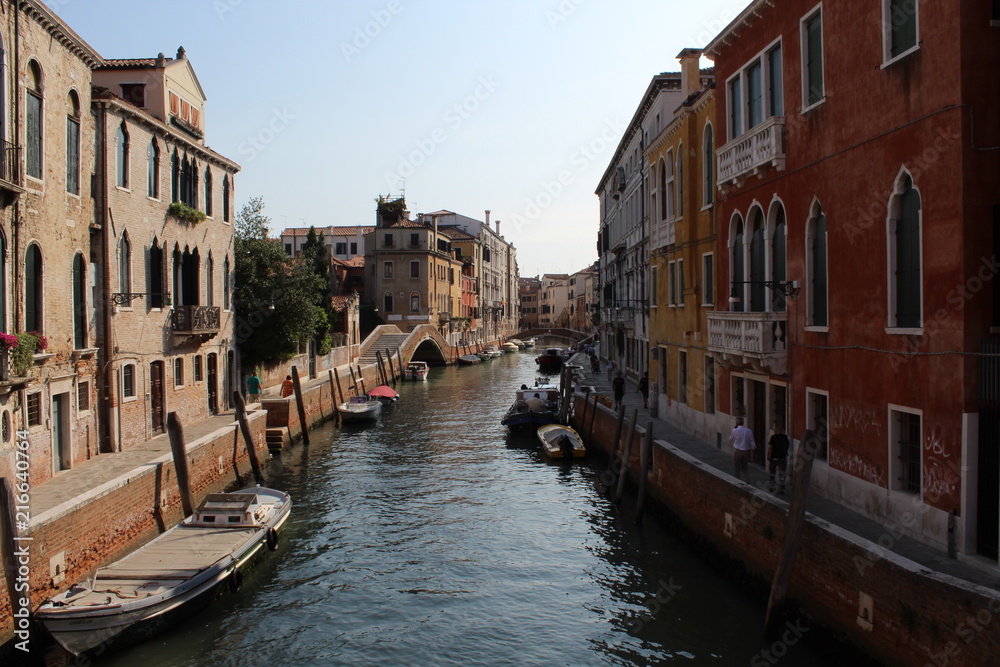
(469, 359)
(384, 393)
(171, 577)
(510, 347)
(533, 406)
(551, 361)
(416, 370)
(561, 442)
(360, 409)
(529, 342)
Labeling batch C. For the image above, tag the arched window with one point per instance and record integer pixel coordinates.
(175, 177)
(33, 121)
(124, 264)
(758, 259)
(225, 283)
(209, 281)
(709, 164)
(153, 170)
(179, 372)
(736, 262)
(121, 156)
(156, 276)
(663, 189)
(73, 143)
(225, 198)
(779, 271)
(33, 289)
(816, 268)
(79, 302)
(3, 281)
(414, 302)
(387, 302)
(208, 190)
(669, 187)
(905, 277)
(680, 180)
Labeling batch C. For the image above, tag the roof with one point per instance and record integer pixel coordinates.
(129, 63)
(62, 33)
(356, 261)
(352, 230)
(456, 233)
(733, 30)
(340, 303)
(101, 94)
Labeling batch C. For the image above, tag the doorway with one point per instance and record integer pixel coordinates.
(213, 384)
(62, 456)
(156, 405)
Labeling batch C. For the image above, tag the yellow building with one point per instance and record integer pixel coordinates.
(682, 228)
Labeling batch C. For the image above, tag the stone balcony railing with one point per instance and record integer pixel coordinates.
(762, 146)
(195, 320)
(757, 340)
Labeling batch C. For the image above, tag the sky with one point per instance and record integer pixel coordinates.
(516, 106)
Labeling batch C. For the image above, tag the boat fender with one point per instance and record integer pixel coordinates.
(272, 539)
(235, 581)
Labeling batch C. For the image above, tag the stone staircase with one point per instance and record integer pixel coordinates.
(277, 438)
(387, 344)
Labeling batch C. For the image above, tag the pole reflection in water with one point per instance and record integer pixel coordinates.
(432, 538)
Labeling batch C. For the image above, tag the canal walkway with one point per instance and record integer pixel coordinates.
(822, 508)
(54, 496)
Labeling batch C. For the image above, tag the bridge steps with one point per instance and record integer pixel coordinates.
(387, 344)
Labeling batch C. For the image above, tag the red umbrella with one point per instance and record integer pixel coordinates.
(383, 391)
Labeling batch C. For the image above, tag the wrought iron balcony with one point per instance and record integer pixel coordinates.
(757, 340)
(762, 146)
(10, 172)
(195, 320)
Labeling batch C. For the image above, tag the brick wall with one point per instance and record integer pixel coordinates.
(108, 522)
(918, 617)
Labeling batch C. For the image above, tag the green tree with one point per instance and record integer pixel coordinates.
(275, 296)
(314, 254)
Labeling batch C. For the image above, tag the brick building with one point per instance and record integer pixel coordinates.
(46, 212)
(168, 282)
(858, 231)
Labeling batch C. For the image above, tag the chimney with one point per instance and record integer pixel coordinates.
(498, 228)
(161, 60)
(487, 217)
(690, 71)
(181, 54)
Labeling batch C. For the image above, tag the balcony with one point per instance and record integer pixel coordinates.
(10, 173)
(755, 340)
(11, 376)
(750, 152)
(195, 320)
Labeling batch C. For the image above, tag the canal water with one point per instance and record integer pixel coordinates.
(433, 538)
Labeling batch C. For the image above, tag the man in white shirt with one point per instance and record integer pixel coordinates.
(741, 439)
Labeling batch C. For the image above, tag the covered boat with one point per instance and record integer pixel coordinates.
(384, 393)
(171, 577)
(360, 409)
(561, 442)
(469, 359)
(551, 361)
(533, 406)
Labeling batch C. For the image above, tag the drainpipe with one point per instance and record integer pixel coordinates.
(109, 428)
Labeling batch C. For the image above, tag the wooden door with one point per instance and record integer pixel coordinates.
(156, 406)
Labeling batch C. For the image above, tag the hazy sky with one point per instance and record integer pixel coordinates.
(515, 106)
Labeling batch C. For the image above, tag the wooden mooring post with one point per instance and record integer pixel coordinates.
(399, 357)
(241, 417)
(301, 404)
(626, 453)
(361, 377)
(793, 531)
(593, 418)
(381, 367)
(334, 393)
(645, 460)
(176, 433)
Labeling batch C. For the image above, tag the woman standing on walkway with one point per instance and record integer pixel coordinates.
(619, 388)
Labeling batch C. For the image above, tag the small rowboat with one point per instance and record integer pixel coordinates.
(561, 442)
(360, 409)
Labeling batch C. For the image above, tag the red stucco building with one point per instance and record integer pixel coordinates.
(858, 165)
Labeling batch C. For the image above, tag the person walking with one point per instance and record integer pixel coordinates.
(610, 367)
(644, 389)
(287, 387)
(741, 439)
(253, 387)
(618, 385)
(777, 458)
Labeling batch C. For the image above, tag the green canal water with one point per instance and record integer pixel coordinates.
(434, 538)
